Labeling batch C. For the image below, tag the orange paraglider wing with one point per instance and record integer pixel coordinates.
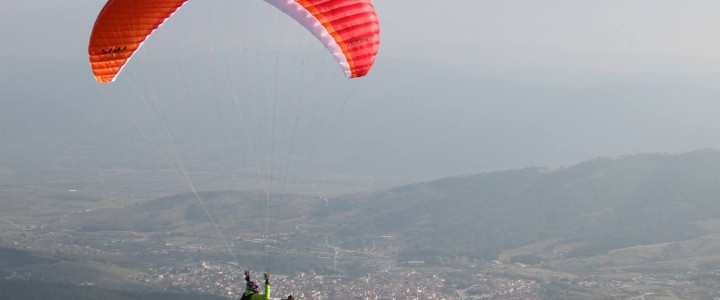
(348, 28)
(121, 28)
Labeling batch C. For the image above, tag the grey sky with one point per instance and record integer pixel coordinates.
(587, 68)
(642, 26)
(591, 34)
(647, 27)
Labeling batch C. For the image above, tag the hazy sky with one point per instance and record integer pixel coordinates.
(642, 26)
(648, 27)
(550, 43)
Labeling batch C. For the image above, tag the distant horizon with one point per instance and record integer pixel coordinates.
(458, 87)
(559, 149)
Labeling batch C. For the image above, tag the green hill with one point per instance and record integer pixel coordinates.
(586, 210)
(186, 213)
(603, 204)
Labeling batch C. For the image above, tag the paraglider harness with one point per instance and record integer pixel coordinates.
(248, 296)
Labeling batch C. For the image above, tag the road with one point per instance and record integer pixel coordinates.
(13, 224)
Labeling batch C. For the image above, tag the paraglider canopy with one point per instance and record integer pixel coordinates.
(349, 29)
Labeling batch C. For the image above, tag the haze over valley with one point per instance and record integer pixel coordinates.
(514, 150)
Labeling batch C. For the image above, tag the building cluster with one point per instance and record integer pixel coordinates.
(490, 287)
(227, 280)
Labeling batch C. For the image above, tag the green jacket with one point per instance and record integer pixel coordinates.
(250, 295)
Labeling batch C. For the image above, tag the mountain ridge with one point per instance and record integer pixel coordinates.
(599, 206)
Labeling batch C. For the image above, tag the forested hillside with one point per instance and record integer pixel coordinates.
(599, 205)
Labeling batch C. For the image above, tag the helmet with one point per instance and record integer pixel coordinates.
(253, 286)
